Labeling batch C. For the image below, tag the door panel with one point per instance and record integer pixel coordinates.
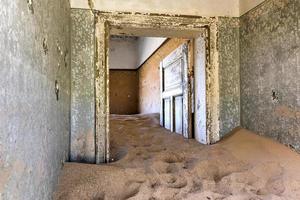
(178, 114)
(167, 113)
(175, 92)
(173, 76)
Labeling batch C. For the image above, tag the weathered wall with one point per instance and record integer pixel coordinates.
(123, 91)
(34, 126)
(270, 70)
(149, 77)
(83, 96)
(229, 74)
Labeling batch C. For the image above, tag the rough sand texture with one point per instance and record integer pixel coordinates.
(156, 164)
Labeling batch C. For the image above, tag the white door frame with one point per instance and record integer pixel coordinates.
(138, 24)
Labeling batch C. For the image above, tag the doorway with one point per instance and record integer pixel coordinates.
(162, 26)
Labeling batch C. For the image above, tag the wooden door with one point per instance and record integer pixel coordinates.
(175, 112)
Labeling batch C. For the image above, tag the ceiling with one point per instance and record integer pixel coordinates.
(231, 8)
(130, 52)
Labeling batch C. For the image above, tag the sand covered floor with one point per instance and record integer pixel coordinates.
(155, 164)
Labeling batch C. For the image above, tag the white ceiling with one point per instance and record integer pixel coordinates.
(232, 8)
(246, 5)
(130, 52)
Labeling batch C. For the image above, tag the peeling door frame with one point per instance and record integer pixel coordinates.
(128, 23)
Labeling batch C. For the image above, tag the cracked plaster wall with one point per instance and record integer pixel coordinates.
(270, 70)
(34, 137)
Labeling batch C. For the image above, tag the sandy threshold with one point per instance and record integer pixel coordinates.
(157, 164)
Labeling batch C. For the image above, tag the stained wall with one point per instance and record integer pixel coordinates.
(123, 91)
(83, 94)
(229, 74)
(34, 125)
(270, 70)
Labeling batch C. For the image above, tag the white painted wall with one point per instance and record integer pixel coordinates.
(147, 46)
(231, 8)
(123, 53)
(246, 5)
(184, 7)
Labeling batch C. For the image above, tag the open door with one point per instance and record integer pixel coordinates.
(175, 113)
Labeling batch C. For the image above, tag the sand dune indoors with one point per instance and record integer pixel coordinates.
(153, 163)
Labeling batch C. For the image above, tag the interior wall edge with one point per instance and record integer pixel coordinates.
(270, 101)
(35, 97)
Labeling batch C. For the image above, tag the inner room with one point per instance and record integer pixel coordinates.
(136, 80)
(134, 67)
(154, 76)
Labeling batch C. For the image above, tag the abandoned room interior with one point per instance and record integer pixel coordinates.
(150, 100)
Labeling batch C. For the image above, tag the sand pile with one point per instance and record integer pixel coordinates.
(154, 164)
